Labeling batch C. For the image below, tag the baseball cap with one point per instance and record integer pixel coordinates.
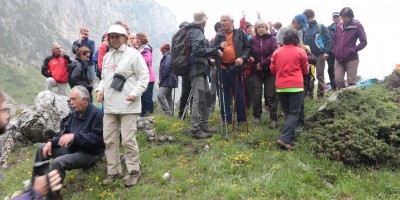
(302, 20)
(335, 14)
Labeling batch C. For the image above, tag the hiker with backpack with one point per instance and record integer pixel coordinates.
(78, 70)
(199, 51)
(318, 38)
(54, 68)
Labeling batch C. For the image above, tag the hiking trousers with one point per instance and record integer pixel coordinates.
(112, 125)
(50, 83)
(350, 67)
(201, 102)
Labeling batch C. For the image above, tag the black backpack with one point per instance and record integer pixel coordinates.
(180, 51)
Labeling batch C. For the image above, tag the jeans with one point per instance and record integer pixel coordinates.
(233, 87)
(147, 101)
(291, 105)
(165, 99)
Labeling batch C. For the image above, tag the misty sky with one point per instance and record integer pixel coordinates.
(379, 18)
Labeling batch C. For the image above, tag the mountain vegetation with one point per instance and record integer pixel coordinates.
(28, 28)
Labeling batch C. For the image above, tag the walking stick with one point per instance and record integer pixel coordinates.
(244, 103)
(220, 88)
(173, 103)
(234, 103)
(187, 104)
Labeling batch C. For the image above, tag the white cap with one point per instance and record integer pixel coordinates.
(116, 28)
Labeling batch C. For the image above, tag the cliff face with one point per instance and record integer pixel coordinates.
(29, 27)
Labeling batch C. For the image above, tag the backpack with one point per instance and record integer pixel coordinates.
(318, 38)
(181, 57)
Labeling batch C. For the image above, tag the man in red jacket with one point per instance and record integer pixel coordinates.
(55, 69)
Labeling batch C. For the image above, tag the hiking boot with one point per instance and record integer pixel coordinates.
(132, 178)
(199, 134)
(286, 146)
(112, 178)
(257, 120)
(208, 129)
(273, 124)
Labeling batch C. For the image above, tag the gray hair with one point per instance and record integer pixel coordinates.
(55, 45)
(82, 91)
(230, 16)
(260, 23)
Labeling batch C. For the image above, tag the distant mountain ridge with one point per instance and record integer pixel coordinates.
(29, 27)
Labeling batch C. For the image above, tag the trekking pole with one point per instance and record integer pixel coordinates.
(220, 87)
(244, 102)
(234, 103)
(173, 103)
(187, 104)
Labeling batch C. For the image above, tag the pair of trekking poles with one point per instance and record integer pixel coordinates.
(220, 90)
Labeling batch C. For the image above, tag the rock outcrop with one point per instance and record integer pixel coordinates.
(36, 123)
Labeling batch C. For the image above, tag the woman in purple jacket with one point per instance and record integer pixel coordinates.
(263, 44)
(345, 48)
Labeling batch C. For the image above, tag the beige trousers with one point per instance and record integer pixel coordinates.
(113, 123)
(50, 83)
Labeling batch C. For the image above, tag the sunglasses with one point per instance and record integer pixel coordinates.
(115, 36)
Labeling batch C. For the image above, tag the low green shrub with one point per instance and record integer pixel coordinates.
(360, 128)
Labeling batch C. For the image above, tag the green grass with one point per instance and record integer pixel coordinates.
(248, 166)
(22, 84)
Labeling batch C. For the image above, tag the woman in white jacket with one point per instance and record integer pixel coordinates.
(122, 108)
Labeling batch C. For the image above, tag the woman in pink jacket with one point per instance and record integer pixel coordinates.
(147, 52)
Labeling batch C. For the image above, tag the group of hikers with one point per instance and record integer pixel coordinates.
(241, 65)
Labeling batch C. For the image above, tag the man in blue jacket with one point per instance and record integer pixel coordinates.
(80, 142)
(318, 38)
(85, 41)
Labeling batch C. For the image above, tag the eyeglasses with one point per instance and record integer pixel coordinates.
(115, 36)
(6, 110)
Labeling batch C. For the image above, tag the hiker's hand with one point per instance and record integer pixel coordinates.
(223, 45)
(212, 61)
(158, 83)
(258, 14)
(258, 67)
(130, 98)
(251, 59)
(220, 53)
(66, 139)
(99, 96)
(239, 61)
(40, 183)
(325, 56)
(46, 151)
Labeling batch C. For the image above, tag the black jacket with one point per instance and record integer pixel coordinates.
(240, 43)
(78, 74)
(87, 128)
(201, 50)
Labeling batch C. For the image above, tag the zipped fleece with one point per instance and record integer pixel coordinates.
(344, 46)
(262, 48)
(129, 63)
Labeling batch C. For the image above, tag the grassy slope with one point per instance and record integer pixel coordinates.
(249, 166)
(24, 85)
